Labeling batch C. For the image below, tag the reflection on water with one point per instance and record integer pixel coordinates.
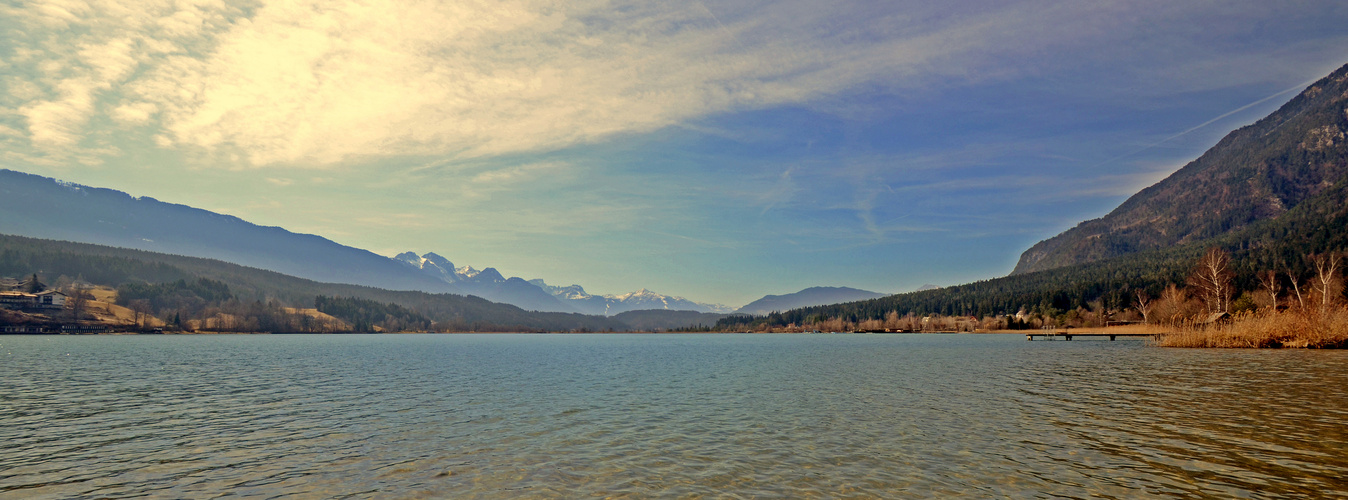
(670, 415)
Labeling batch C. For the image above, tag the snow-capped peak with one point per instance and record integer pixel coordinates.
(409, 258)
(439, 261)
(642, 294)
(474, 281)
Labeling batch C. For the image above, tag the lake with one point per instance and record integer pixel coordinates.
(687, 416)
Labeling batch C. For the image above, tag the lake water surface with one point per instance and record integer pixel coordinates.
(687, 416)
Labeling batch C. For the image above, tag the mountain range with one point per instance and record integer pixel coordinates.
(487, 283)
(63, 261)
(537, 295)
(41, 207)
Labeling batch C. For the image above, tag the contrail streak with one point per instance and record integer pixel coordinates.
(718, 23)
(1206, 123)
(1237, 110)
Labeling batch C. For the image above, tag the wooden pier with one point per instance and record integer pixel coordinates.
(1068, 335)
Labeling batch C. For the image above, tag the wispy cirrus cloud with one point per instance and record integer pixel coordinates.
(516, 173)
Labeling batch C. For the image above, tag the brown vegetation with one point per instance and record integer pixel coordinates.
(1315, 316)
(1308, 328)
(894, 323)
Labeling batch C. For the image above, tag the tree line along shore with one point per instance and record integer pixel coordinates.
(1298, 305)
(1286, 308)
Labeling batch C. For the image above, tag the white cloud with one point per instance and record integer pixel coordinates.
(316, 83)
(58, 122)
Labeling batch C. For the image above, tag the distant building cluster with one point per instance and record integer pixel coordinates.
(12, 296)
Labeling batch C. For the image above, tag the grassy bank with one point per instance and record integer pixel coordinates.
(1310, 328)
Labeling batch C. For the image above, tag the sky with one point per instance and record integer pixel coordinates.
(714, 150)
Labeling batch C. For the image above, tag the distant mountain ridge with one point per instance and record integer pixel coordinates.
(1255, 173)
(540, 296)
(813, 296)
(487, 283)
(42, 207)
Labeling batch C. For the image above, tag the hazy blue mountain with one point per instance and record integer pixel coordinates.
(487, 283)
(609, 305)
(41, 207)
(576, 297)
(645, 299)
(813, 296)
(432, 264)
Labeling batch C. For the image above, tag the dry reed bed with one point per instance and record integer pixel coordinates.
(1310, 328)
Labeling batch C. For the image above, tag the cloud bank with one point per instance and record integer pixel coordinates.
(315, 83)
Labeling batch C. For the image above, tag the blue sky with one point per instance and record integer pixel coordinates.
(714, 150)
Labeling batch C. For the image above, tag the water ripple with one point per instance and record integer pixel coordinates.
(738, 416)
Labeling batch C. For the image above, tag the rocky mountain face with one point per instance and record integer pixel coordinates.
(1255, 173)
(42, 207)
(813, 296)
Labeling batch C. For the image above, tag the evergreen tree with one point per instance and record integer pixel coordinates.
(33, 285)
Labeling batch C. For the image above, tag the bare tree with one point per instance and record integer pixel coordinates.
(1326, 283)
(1143, 304)
(1268, 280)
(1296, 288)
(142, 309)
(79, 301)
(1171, 307)
(1211, 277)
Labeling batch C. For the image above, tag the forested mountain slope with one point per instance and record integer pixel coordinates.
(1258, 172)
